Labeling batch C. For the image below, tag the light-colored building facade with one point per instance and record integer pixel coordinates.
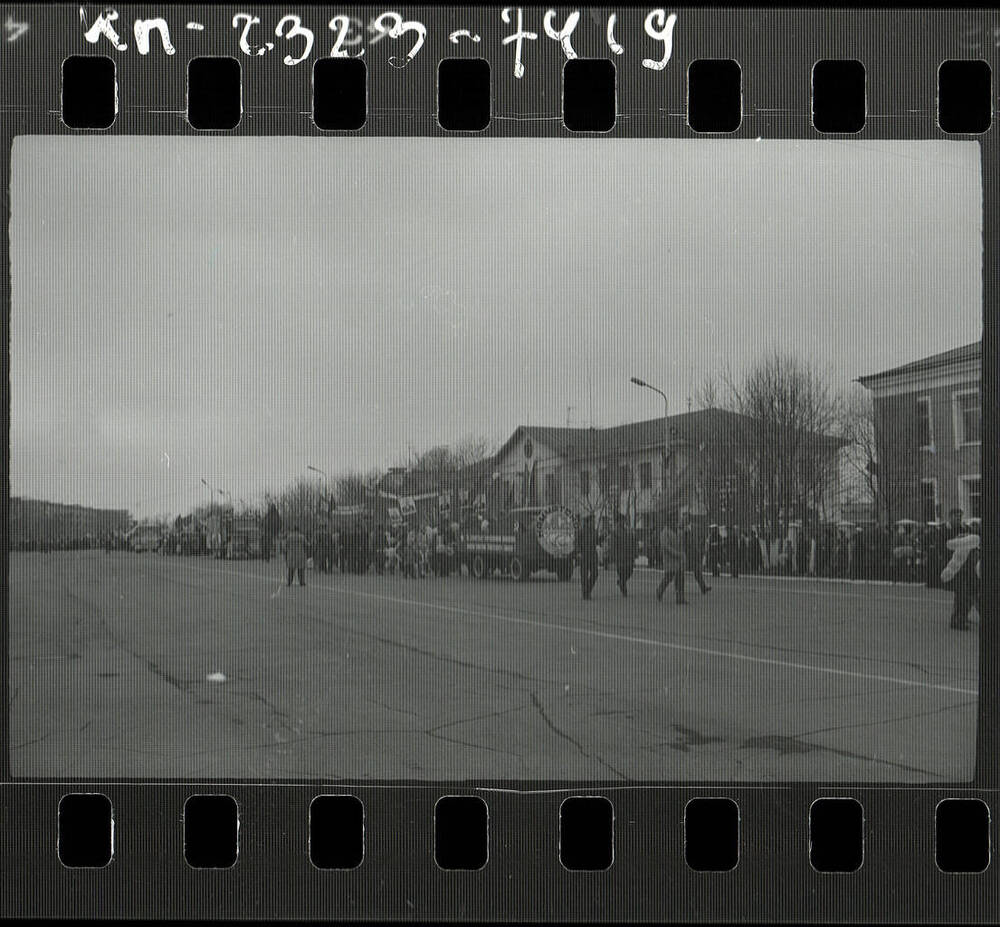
(935, 405)
(623, 469)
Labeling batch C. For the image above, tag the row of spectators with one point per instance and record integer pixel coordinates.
(911, 553)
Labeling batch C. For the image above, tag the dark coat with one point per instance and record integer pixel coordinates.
(624, 547)
(271, 523)
(694, 545)
(672, 550)
(586, 543)
(295, 550)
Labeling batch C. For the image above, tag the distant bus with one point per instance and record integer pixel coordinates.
(144, 537)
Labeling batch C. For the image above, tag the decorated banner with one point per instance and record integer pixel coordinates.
(407, 505)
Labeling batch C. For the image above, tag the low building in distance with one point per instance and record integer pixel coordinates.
(38, 520)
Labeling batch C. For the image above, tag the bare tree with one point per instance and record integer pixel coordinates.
(299, 502)
(447, 458)
(779, 451)
(351, 488)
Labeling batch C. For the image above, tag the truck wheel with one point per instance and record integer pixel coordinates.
(517, 570)
(478, 567)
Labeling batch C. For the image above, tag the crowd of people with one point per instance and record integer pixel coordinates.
(411, 551)
(910, 553)
(942, 555)
(947, 557)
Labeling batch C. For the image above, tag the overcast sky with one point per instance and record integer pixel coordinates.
(237, 309)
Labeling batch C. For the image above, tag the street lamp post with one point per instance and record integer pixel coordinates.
(666, 426)
(326, 481)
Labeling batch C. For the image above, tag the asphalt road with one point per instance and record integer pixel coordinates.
(385, 678)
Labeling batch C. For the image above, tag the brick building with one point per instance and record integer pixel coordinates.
(37, 520)
(928, 420)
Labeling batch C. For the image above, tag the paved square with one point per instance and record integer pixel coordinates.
(388, 678)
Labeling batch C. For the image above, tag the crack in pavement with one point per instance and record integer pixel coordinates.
(445, 659)
(785, 745)
(312, 735)
(466, 743)
(917, 714)
(284, 720)
(38, 740)
(432, 731)
(548, 722)
(401, 711)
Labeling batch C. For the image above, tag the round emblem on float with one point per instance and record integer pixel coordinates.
(555, 528)
(529, 448)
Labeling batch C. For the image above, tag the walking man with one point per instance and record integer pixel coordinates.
(714, 549)
(624, 550)
(962, 575)
(672, 552)
(295, 555)
(270, 528)
(694, 551)
(586, 548)
(733, 550)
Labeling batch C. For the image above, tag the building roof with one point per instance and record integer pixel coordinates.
(967, 352)
(688, 428)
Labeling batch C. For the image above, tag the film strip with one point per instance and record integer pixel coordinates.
(246, 241)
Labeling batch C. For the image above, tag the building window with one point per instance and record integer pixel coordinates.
(645, 476)
(969, 496)
(968, 418)
(925, 428)
(585, 484)
(604, 479)
(624, 477)
(928, 500)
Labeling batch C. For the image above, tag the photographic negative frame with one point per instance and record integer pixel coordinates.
(769, 56)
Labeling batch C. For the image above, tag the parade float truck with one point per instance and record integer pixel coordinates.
(243, 540)
(522, 542)
(144, 537)
(233, 537)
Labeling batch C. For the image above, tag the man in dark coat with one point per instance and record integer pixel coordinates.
(623, 552)
(672, 551)
(323, 551)
(714, 550)
(802, 544)
(296, 555)
(694, 551)
(586, 549)
(733, 550)
(753, 552)
(270, 528)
